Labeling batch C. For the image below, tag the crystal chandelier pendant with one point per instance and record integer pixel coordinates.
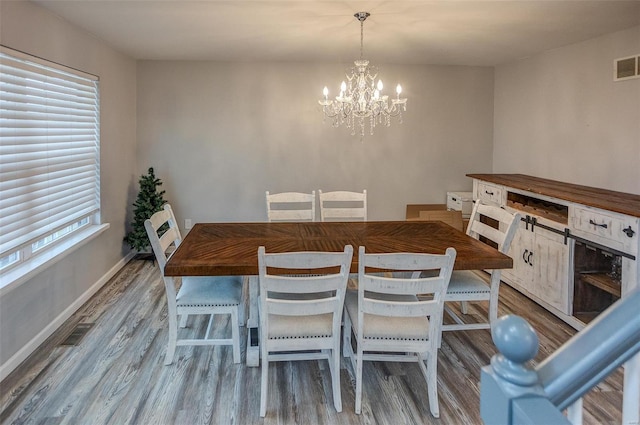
(361, 99)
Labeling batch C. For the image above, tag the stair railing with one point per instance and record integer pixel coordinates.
(513, 393)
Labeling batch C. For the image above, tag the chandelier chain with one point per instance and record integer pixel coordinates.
(362, 39)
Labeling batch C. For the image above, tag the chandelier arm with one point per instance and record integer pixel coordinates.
(330, 112)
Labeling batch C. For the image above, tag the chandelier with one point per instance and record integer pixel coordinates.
(360, 98)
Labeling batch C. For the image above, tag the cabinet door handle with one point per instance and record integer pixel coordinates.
(629, 231)
(529, 259)
(524, 256)
(603, 225)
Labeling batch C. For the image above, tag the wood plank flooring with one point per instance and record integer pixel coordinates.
(116, 374)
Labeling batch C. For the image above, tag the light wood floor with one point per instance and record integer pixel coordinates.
(115, 375)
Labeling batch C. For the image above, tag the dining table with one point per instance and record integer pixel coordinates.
(220, 249)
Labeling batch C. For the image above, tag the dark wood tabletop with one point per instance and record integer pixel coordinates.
(213, 249)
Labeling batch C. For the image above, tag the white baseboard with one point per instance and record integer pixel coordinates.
(22, 354)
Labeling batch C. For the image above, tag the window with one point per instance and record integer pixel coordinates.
(49, 156)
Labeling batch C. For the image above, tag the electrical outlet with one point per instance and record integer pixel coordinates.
(187, 223)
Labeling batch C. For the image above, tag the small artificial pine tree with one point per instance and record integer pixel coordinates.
(149, 201)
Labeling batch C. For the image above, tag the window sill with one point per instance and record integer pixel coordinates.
(22, 273)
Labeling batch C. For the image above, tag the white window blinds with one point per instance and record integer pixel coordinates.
(49, 149)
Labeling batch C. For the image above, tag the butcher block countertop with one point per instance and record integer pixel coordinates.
(620, 202)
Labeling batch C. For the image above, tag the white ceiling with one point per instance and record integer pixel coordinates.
(451, 32)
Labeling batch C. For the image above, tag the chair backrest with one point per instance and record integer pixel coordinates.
(163, 232)
(291, 206)
(433, 282)
(500, 232)
(343, 205)
(303, 283)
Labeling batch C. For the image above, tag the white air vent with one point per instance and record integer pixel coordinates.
(626, 68)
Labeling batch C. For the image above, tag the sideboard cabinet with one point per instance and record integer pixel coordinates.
(575, 252)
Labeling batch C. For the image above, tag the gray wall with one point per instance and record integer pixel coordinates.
(220, 134)
(29, 308)
(560, 115)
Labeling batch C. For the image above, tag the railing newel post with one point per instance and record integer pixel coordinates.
(510, 391)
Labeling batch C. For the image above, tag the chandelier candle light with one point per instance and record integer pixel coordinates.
(360, 97)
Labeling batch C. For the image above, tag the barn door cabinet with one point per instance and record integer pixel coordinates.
(540, 266)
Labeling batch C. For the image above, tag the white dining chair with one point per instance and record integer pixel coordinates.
(300, 313)
(390, 322)
(343, 205)
(214, 295)
(468, 285)
(291, 206)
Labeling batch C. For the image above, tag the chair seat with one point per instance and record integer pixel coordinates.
(208, 291)
(467, 282)
(385, 327)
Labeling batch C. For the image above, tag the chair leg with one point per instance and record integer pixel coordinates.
(358, 408)
(464, 308)
(173, 337)
(183, 320)
(242, 315)
(264, 384)
(335, 375)
(235, 335)
(346, 335)
(493, 310)
(493, 298)
(431, 375)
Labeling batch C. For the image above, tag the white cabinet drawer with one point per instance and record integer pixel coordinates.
(606, 228)
(489, 193)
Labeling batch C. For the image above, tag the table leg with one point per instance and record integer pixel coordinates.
(253, 346)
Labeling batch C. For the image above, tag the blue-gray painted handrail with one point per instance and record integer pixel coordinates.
(593, 353)
(511, 392)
